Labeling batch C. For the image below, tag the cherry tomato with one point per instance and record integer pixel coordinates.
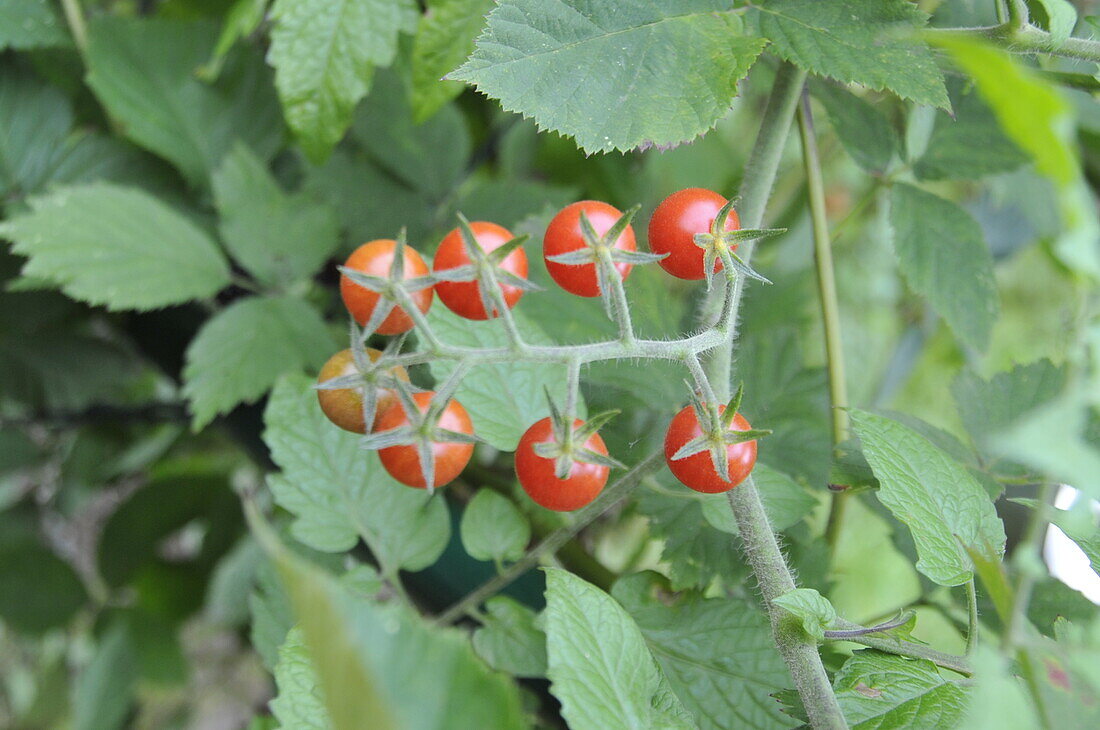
(463, 297)
(536, 473)
(697, 471)
(673, 227)
(564, 235)
(403, 462)
(375, 257)
(344, 407)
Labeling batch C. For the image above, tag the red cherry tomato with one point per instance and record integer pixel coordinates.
(463, 297)
(564, 235)
(697, 471)
(673, 227)
(344, 407)
(536, 473)
(403, 462)
(375, 258)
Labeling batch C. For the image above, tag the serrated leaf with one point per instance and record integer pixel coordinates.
(143, 70)
(936, 497)
(969, 143)
(373, 661)
(339, 493)
(988, 406)
(1034, 116)
(869, 42)
(599, 666)
(864, 131)
(492, 528)
(616, 76)
(35, 120)
(718, 654)
(241, 351)
(813, 611)
(278, 238)
(297, 703)
(88, 240)
(878, 691)
(325, 53)
(444, 38)
(499, 396)
(26, 24)
(944, 258)
(510, 639)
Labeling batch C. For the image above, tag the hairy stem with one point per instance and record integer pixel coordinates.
(1017, 14)
(972, 617)
(1026, 39)
(830, 309)
(610, 496)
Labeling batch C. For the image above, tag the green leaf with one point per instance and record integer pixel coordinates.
(599, 667)
(878, 690)
(989, 406)
(813, 611)
(36, 119)
(241, 351)
(26, 24)
(718, 654)
(373, 661)
(864, 131)
(998, 700)
(144, 73)
(231, 582)
(278, 238)
(38, 590)
(242, 18)
(297, 704)
(338, 493)
(324, 53)
(616, 76)
(88, 240)
(510, 639)
(104, 690)
(969, 143)
(493, 528)
(1061, 18)
(1040, 122)
(444, 38)
(869, 42)
(942, 254)
(272, 616)
(936, 497)
(503, 398)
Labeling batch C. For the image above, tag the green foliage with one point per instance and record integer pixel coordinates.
(869, 42)
(814, 612)
(493, 528)
(863, 130)
(444, 38)
(599, 666)
(103, 690)
(877, 690)
(670, 72)
(28, 24)
(38, 591)
(511, 638)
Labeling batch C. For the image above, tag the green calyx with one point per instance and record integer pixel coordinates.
(392, 289)
(568, 444)
(720, 244)
(717, 436)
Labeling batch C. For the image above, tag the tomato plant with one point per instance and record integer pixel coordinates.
(697, 471)
(566, 234)
(377, 258)
(678, 220)
(537, 475)
(344, 406)
(405, 464)
(465, 298)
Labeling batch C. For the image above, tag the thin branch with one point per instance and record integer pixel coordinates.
(909, 649)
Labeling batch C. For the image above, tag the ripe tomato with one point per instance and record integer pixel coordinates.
(375, 258)
(344, 406)
(673, 227)
(403, 462)
(697, 471)
(463, 297)
(536, 473)
(564, 234)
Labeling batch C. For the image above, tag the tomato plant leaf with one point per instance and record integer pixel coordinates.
(86, 239)
(58, 593)
(944, 258)
(143, 70)
(814, 612)
(869, 42)
(864, 131)
(499, 397)
(325, 53)
(995, 700)
(102, 692)
(339, 494)
(444, 38)
(718, 654)
(36, 120)
(492, 528)
(878, 690)
(297, 704)
(241, 351)
(615, 76)
(1061, 16)
(511, 639)
(278, 238)
(27, 24)
(944, 507)
(989, 406)
(599, 666)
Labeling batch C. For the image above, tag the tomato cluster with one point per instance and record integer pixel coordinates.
(561, 467)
